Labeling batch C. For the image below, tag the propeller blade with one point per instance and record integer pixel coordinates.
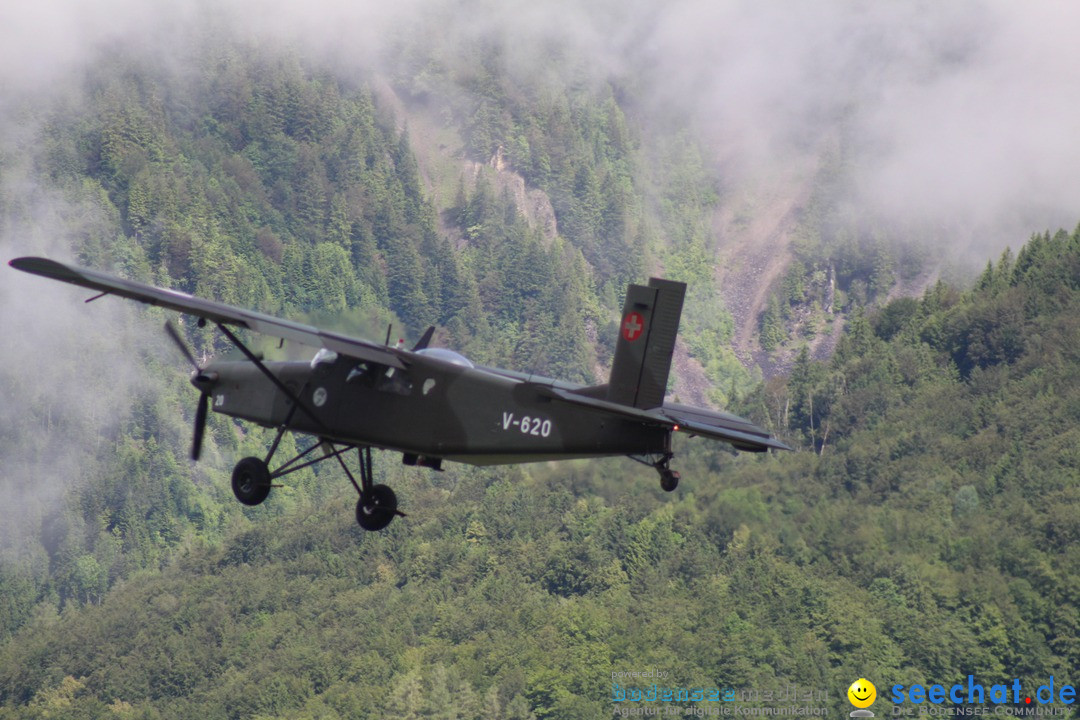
(200, 425)
(175, 335)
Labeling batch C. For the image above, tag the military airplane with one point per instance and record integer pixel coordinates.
(432, 404)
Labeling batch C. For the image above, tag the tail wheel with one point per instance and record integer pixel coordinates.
(376, 507)
(251, 481)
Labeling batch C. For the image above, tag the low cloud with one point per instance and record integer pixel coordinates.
(955, 114)
(949, 115)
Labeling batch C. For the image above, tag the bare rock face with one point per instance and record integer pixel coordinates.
(533, 203)
(440, 155)
(691, 383)
(754, 252)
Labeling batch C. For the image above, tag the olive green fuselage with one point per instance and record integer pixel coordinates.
(432, 409)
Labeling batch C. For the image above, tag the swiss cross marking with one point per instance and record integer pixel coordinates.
(632, 326)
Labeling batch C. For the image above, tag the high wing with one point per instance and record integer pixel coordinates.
(215, 312)
(742, 434)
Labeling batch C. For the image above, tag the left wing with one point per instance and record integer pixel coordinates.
(213, 311)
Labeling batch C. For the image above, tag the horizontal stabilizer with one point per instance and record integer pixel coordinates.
(721, 426)
(741, 433)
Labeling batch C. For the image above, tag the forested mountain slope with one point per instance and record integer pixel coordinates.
(926, 529)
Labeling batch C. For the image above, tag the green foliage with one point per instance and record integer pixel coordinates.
(773, 331)
(925, 531)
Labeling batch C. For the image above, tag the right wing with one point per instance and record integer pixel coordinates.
(213, 311)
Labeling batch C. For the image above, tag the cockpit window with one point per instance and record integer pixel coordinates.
(447, 355)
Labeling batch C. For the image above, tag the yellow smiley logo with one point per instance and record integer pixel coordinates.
(862, 693)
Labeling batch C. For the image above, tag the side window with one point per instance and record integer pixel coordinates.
(362, 373)
(384, 379)
(394, 381)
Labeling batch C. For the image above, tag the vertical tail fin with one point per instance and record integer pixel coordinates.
(650, 322)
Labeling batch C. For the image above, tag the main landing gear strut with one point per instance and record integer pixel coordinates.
(252, 477)
(252, 481)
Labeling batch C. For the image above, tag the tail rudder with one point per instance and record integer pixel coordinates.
(646, 343)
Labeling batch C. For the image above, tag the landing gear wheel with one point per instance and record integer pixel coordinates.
(251, 481)
(669, 480)
(376, 507)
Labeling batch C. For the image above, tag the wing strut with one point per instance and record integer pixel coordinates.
(297, 402)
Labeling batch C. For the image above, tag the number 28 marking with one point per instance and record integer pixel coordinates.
(526, 425)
